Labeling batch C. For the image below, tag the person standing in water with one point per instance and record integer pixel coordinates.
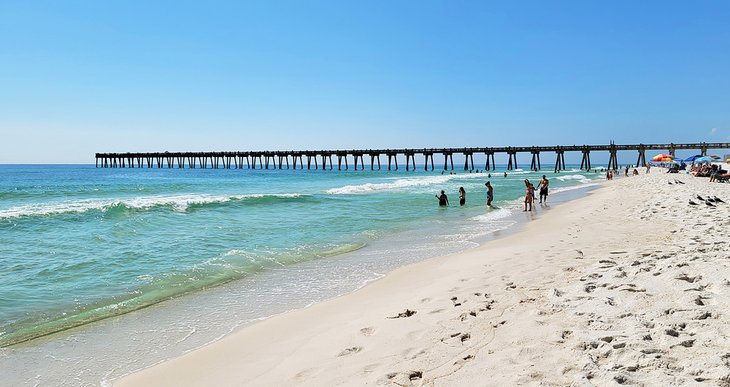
(462, 196)
(529, 195)
(490, 194)
(543, 185)
(443, 199)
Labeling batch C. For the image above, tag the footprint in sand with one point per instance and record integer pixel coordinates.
(349, 351)
(463, 360)
(403, 378)
(406, 313)
(367, 331)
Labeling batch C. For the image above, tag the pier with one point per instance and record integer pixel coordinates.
(323, 159)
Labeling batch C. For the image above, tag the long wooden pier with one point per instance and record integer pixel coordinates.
(298, 159)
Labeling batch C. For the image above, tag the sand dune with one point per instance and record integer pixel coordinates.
(629, 285)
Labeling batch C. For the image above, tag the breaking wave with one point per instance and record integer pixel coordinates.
(179, 203)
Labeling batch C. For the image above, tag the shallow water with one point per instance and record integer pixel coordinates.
(85, 251)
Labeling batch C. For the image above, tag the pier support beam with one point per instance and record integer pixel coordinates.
(512, 155)
(559, 160)
(410, 157)
(468, 156)
(613, 157)
(535, 164)
(325, 158)
(310, 158)
(372, 161)
(585, 162)
(358, 156)
(394, 157)
(490, 164)
(427, 157)
(641, 160)
(448, 156)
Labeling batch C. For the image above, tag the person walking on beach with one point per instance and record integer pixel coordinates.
(543, 185)
(490, 194)
(462, 196)
(443, 199)
(529, 195)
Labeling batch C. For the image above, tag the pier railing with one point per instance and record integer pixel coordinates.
(324, 158)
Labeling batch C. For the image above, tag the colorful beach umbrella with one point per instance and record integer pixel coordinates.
(714, 157)
(662, 157)
(704, 160)
(693, 158)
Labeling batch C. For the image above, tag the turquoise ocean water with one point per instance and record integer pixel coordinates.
(84, 248)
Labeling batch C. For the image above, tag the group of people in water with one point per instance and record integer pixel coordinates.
(529, 194)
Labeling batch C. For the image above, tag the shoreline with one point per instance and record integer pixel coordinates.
(529, 313)
(182, 324)
(567, 196)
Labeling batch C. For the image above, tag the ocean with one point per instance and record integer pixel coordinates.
(106, 271)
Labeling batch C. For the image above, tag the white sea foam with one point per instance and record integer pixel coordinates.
(575, 187)
(491, 216)
(581, 178)
(177, 202)
(400, 184)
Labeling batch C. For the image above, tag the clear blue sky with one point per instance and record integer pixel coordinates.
(78, 77)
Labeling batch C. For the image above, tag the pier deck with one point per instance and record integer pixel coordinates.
(323, 159)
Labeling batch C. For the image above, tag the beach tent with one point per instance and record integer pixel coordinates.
(693, 158)
(662, 157)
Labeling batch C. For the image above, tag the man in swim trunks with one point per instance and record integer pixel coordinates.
(543, 185)
(490, 194)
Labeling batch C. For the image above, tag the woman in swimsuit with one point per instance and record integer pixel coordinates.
(529, 195)
(462, 196)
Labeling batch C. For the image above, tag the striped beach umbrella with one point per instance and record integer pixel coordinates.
(662, 157)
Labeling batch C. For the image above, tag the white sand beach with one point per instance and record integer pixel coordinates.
(629, 285)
